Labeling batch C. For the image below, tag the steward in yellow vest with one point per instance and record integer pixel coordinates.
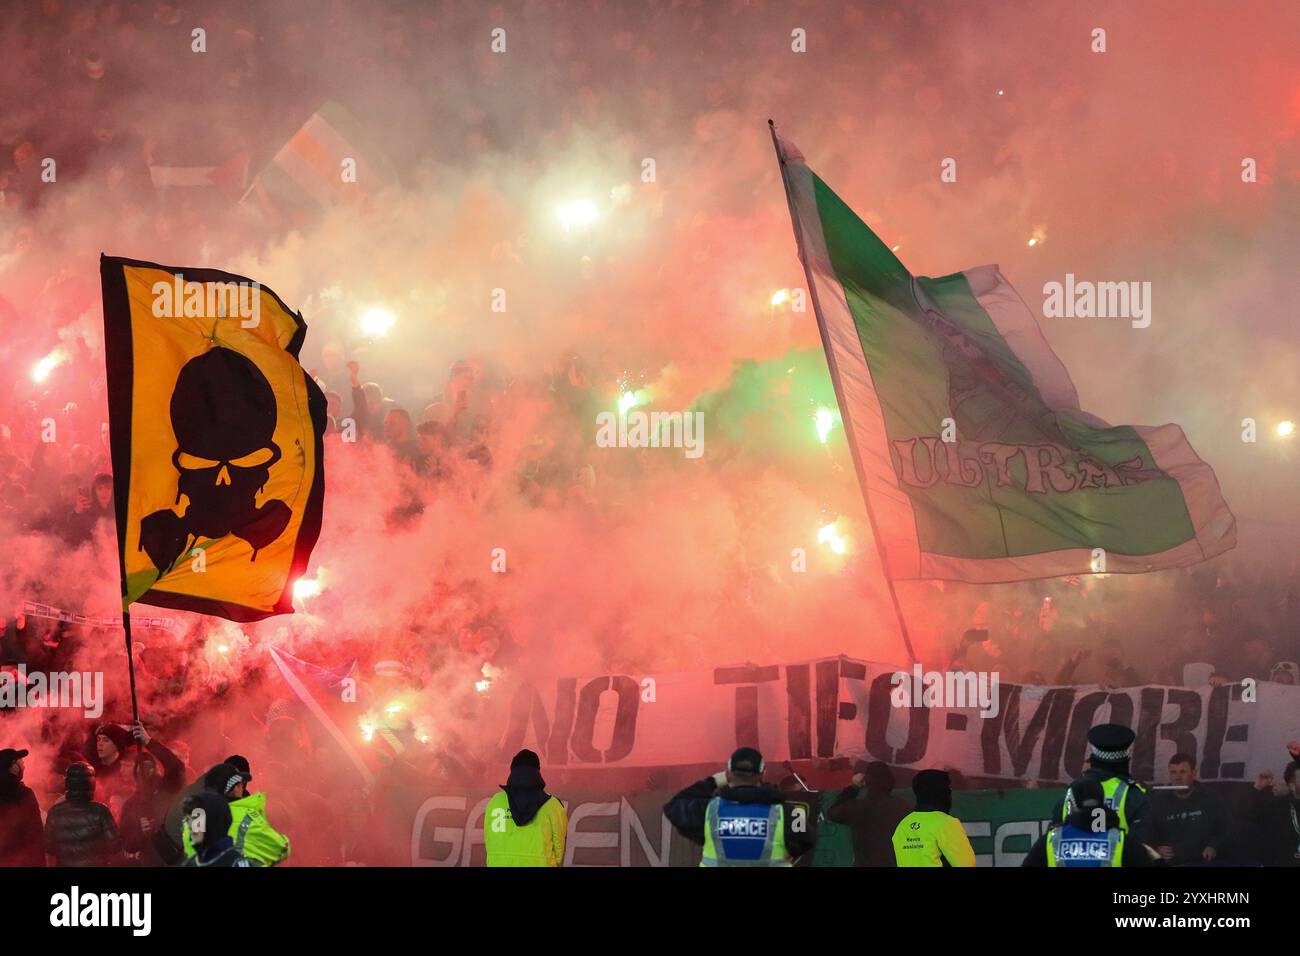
(523, 825)
(930, 835)
(741, 821)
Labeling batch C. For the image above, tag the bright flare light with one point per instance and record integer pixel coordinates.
(377, 322)
(626, 401)
(824, 419)
(482, 686)
(780, 297)
(42, 369)
(1286, 429)
(580, 212)
(305, 588)
(829, 534)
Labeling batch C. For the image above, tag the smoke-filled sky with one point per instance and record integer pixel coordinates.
(1123, 165)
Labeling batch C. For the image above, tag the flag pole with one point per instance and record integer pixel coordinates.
(130, 662)
(862, 481)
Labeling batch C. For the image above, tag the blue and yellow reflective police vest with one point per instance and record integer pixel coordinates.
(1068, 845)
(744, 834)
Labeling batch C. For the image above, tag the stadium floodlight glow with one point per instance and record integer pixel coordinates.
(42, 369)
(578, 213)
(377, 322)
(1285, 429)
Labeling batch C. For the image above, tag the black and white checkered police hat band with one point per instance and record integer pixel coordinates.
(1110, 754)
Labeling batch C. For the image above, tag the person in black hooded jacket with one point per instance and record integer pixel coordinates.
(159, 776)
(22, 835)
(79, 831)
(209, 818)
(523, 825)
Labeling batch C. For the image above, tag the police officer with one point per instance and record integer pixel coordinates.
(1090, 836)
(930, 835)
(1109, 748)
(739, 820)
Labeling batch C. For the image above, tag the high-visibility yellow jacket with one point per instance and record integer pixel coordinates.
(932, 838)
(253, 834)
(540, 842)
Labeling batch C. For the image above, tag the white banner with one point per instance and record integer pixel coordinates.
(840, 707)
(32, 609)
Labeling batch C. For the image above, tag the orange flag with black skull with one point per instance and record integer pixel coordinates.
(215, 431)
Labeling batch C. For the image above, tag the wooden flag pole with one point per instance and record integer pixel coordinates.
(862, 480)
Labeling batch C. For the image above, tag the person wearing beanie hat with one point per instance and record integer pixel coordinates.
(79, 831)
(930, 835)
(1090, 836)
(208, 823)
(241, 764)
(741, 821)
(249, 828)
(105, 749)
(1109, 749)
(22, 834)
(523, 825)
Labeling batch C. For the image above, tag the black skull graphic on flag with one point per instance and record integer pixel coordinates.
(216, 436)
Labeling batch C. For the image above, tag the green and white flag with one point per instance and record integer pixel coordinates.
(1029, 486)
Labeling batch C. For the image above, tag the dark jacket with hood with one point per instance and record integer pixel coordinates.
(524, 825)
(217, 847)
(151, 800)
(79, 831)
(688, 811)
(872, 817)
(1275, 826)
(1133, 854)
(525, 792)
(22, 835)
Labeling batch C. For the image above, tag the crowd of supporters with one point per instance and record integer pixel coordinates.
(121, 788)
